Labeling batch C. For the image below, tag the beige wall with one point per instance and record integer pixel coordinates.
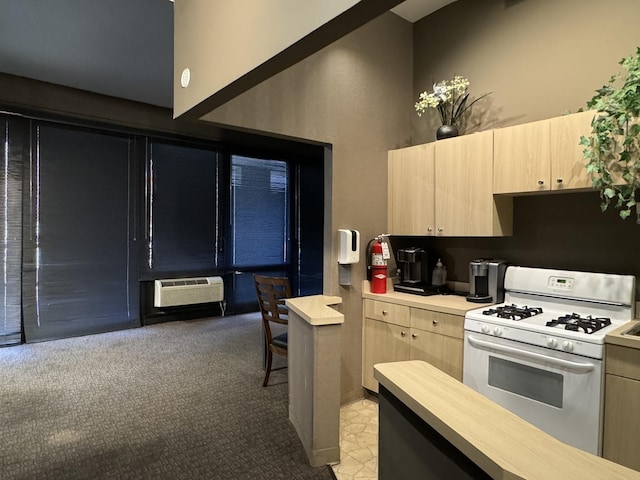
(231, 46)
(540, 58)
(354, 96)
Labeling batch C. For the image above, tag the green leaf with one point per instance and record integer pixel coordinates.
(609, 192)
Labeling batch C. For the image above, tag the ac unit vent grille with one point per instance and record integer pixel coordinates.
(187, 291)
(182, 282)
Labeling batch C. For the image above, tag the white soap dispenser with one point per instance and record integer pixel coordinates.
(439, 276)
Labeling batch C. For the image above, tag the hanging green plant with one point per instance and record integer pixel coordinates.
(612, 151)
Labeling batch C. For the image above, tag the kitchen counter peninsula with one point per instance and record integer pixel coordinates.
(314, 375)
(432, 426)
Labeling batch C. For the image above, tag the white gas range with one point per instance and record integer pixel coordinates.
(540, 353)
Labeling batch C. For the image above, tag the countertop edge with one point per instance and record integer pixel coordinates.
(316, 309)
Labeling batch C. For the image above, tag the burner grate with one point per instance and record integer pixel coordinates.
(575, 323)
(513, 312)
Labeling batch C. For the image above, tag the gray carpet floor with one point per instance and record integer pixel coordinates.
(178, 400)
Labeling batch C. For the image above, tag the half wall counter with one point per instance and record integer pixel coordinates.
(314, 347)
(432, 427)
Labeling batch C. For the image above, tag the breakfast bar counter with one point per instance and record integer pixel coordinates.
(314, 375)
(432, 426)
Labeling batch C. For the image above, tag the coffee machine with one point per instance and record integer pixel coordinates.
(413, 270)
(412, 262)
(486, 280)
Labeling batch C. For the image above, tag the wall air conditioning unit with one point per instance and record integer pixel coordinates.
(173, 292)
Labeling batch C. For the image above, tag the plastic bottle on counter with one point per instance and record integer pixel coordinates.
(439, 276)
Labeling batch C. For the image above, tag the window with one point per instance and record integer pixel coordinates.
(182, 203)
(79, 256)
(259, 212)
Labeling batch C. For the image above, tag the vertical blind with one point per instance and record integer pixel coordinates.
(78, 265)
(183, 214)
(11, 232)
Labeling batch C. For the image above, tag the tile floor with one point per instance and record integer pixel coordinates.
(358, 441)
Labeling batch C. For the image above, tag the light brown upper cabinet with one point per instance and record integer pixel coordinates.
(541, 156)
(445, 188)
(411, 190)
(465, 204)
(568, 166)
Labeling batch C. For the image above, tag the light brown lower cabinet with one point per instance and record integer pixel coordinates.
(621, 437)
(415, 334)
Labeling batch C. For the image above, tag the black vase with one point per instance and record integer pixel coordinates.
(446, 131)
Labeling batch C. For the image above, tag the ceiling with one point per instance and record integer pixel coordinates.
(122, 48)
(414, 10)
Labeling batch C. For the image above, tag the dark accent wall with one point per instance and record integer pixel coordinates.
(564, 231)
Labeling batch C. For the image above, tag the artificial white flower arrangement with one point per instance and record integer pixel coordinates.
(449, 97)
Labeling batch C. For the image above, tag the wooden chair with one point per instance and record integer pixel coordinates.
(271, 294)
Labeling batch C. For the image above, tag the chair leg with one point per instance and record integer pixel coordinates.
(268, 370)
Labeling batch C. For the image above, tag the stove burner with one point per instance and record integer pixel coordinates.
(513, 312)
(576, 323)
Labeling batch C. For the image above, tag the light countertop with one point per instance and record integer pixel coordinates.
(498, 441)
(617, 337)
(453, 304)
(316, 310)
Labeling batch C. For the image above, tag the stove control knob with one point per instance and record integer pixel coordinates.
(497, 331)
(567, 346)
(485, 328)
(552, 343)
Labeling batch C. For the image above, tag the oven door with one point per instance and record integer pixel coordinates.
(558, 392)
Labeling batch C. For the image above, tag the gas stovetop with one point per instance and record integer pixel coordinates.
(562, 310)
(574, 322)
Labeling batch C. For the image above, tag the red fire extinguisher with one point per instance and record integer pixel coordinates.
(378, 267)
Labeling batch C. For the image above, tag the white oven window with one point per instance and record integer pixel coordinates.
(530, 382)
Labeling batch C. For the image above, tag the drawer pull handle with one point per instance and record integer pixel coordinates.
(384, 312)
(413, 335)
(435, 322)
(403, 333)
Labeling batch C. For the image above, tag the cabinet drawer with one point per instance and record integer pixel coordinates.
(436, 322)
(387, 312)
(622, 361)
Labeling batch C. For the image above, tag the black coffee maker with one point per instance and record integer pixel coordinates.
(413, 269)
(412, 263)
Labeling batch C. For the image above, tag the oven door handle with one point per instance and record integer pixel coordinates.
(532, 356)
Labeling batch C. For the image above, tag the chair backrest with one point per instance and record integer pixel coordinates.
(271, 294)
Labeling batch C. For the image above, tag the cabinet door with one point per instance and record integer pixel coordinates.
(464, 188)
(382, 342)
(567, 162)
(621, 438)
(441, 351)
(521, 158)
(410, 190)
